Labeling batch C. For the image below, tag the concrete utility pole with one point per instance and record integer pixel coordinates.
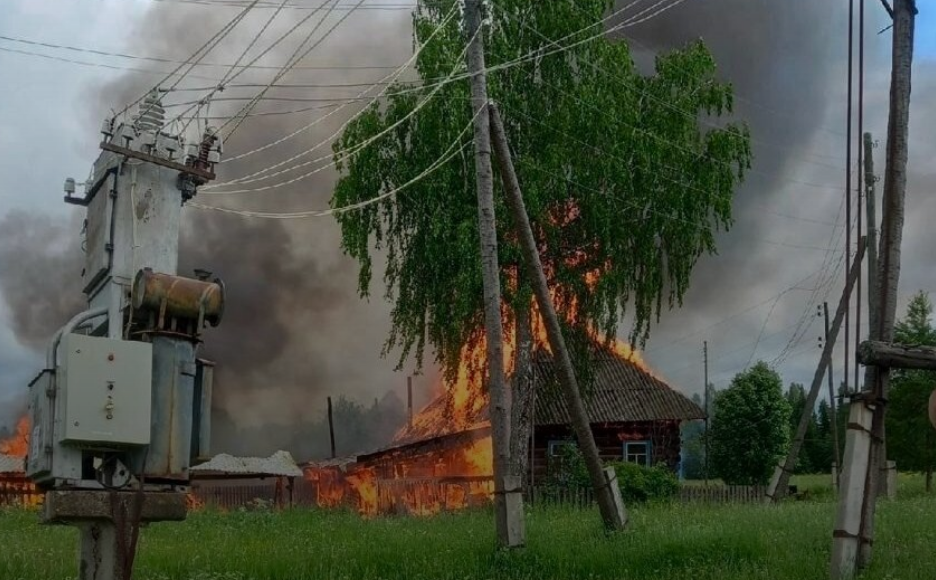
(508, 494)
(607, 490)
(779, 483)
(854, 532)
(115, 409)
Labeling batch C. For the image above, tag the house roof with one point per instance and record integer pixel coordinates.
(622, 392)
(280, 463)
(10, 464)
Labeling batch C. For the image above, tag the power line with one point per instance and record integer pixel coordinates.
(447, 156)
(391, 77)
(292, 61)
(436, 86)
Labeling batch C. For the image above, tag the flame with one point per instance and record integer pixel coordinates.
(419, 478)
(17, 445)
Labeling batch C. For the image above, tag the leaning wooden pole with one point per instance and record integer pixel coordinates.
(606, 491)
(508, 496)
(331, 429)
(781, 478)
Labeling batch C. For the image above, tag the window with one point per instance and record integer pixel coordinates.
(637, 452)
(556, 448)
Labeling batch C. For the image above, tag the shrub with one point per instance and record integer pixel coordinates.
(638, 483)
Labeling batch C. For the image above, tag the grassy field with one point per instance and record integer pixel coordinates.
(664, 542)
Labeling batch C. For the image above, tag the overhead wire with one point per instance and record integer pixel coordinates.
(221, 84)
(198, 55)
(273, 45)
(435, 87)
(388, 79)
(294, 60)
(453, 150)
(335, 157)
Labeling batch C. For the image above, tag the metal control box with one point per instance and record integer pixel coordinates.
(106, 386)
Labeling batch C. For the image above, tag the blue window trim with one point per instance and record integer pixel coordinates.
(645, 442)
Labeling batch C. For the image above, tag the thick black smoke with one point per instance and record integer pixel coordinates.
(294, 329)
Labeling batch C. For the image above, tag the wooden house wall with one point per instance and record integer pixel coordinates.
(610, 438)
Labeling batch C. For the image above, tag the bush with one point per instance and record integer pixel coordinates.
(638, 483)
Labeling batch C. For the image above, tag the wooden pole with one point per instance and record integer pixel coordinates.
(833, 407)
(607, 493)
(705, 401)
(895, 185)
(781, 478)
(331, 429)
(409, 400)
(508, 510)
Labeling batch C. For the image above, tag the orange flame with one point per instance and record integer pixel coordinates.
(18, 444)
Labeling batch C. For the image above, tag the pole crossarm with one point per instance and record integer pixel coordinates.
(898, 356)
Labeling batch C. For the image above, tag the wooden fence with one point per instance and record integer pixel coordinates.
(414, 496)
(584, 496)
(19, 493)
(235, 496)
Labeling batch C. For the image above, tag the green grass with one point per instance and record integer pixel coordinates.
(676, 541)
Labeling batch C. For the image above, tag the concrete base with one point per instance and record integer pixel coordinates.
(508, 506)
(106, 521)
(845, 537)
(889, 479)
(619, 509)
(75, 506)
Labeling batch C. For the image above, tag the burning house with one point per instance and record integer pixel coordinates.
(442, 460)
(15, 487)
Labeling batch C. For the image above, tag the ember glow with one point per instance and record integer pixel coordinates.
(17, 444)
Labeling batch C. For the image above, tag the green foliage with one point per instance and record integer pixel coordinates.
(750, 428)
(693, 450)
(816, 454)
(911, 440)
(617, 173)
(638, 483)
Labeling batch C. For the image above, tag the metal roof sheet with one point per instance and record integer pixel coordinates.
(10, 464)
(622, 392)
(280, 463)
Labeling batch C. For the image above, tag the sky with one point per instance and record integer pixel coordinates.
(755, 300)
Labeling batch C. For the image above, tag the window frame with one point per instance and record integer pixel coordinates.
(648, 446)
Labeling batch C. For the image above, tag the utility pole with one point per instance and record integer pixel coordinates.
(705, 401)
(833, 408)
(409, 401)
(331, 430)
(871, 209)
(779, 483)
(115, 408)
(854, 533)
(508, 496)
(604, 480)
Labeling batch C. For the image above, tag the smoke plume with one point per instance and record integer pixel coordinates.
(295, 331)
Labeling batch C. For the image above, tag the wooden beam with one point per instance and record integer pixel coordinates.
(899, 356)
(181, 168)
